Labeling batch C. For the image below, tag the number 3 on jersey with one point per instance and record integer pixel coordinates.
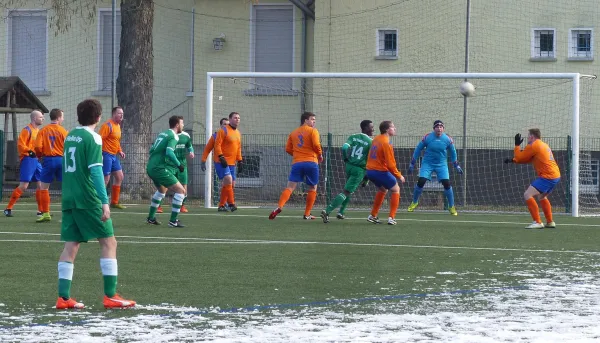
(70, 157)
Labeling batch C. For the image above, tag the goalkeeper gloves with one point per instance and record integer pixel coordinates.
(181, 168)
(458, 168)
(411, 167)
(223, 161)
(518, 139)
(508, 160)
(31, 153)
(203, 166)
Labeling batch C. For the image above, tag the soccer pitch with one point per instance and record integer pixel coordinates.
(239, 277)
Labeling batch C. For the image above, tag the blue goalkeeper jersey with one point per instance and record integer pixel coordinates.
(435, 150)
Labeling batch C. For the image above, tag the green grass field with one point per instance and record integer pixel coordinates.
(241, 261)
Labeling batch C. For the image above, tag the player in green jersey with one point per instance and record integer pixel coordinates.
(85, 210)
(183, 149)
(355, 152)
(162, 169)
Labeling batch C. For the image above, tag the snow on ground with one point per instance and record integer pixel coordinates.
(552, 304)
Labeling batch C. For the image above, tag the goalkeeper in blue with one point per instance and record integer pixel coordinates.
(436, 145)
(355, 152)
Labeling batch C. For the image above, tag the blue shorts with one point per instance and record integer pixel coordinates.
(381, 178)
(222, 172)
(110, 163)
(30, 170)
(440, 171)
(51, 169)
(544, 186)
(307, 172)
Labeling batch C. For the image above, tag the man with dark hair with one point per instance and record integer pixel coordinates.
(436, 144)
(85, 210)
(540, 155)
(228, 152)
(110, 132)
(354, 152)
(29, 168)
(49, 144)
(304, 145)
(162, 168)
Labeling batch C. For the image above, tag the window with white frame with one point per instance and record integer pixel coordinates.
(588, 180)
(273, 46)
(27, 42)
(580, 43)
(105, 47)
(543, 44)
(387, 43)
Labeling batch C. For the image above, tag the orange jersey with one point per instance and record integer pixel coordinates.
(26, 140)
(381, 156)
(209, 147)
(229, 144)
(111, 137)
(304, 144)
(541, 156)
(51, 140)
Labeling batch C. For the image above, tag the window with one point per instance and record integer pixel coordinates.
(27, 57)
(588, 180)
(105, 48)
(387, 44)
(543, 44)
(248, 174)
(273, 47)
(580, 44)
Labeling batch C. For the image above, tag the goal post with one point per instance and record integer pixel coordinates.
(270, 105)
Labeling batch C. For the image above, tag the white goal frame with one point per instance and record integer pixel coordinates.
(575, 77)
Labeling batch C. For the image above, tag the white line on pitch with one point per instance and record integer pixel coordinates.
(233, 241)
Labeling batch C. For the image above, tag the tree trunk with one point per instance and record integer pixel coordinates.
(134, 94)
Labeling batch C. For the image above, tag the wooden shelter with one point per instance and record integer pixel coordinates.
(16, 99)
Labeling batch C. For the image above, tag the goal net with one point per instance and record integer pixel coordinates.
(482, 127)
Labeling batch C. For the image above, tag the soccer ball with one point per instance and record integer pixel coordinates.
(467, 89)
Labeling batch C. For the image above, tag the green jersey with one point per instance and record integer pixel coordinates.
(158, 151)
(183, 147)
(83, 150)
(356, 149)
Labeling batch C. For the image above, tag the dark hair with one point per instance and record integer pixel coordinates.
(384, 126)
(222, 120)
(55, 113)
(89, 112)
(116, 108)
(231, 114)
(364, 125)
(536, 133)
(174, 120)
(306, 115)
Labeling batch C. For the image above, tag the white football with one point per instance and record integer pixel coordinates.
(467, 89)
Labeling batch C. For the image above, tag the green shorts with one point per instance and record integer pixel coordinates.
(354, 176)
(162, 176)
(182, 176)
(80, 225)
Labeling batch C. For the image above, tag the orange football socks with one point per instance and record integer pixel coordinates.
(534, 209)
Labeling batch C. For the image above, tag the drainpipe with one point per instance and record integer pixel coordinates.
(306, 12)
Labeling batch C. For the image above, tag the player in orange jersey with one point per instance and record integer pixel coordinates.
(110, 132)
(304, 145)
(540, 155)
(228, 151)
(382, 171)
(210, 145)
(49, 145)
(29, 168)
